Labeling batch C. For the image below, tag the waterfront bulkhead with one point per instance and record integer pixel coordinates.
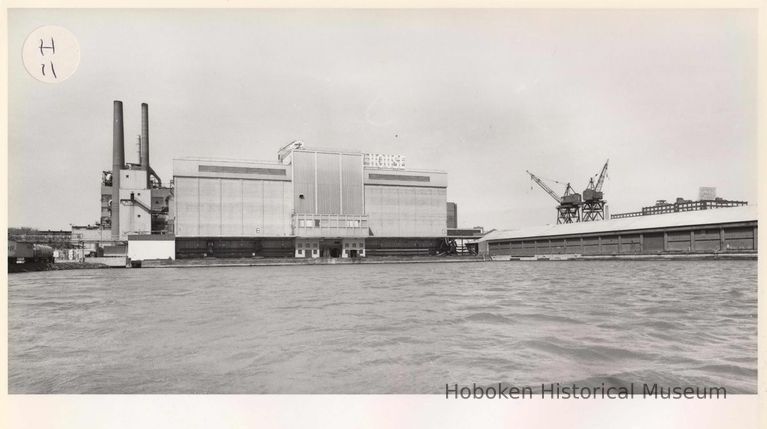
(309, 203)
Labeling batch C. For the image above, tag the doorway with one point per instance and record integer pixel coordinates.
(331, 249)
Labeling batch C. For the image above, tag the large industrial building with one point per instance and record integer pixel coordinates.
(308, 202)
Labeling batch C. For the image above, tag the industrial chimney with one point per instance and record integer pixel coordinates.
(118, 163)
(145, 142)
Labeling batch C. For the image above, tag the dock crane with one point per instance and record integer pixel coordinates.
(593, 198)
(568, 205)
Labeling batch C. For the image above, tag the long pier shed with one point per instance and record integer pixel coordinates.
(725, 230)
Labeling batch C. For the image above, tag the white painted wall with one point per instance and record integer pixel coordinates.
(307, 248)
(139, 250)
(353, 244)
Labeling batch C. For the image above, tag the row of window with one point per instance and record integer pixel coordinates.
(308, 245)
(301, 252)
(400, 177)
(241, 170)
(300, 245)
(315, 223)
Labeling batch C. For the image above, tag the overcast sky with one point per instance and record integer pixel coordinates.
(668, 96)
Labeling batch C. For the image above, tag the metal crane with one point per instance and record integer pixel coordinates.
(593, 198)
(544, 186)
(568, 205)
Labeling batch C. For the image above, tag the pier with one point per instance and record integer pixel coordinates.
(722, 231)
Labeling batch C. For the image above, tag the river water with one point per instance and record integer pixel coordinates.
(395, 328)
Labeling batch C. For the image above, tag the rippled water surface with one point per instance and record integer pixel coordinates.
(383, 328)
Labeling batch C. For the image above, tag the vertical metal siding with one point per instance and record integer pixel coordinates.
(390, 211)
(303, 182)
(231, 207)
(253, 208)
(210, 207)
(352, 184)
(407, 211)
(273, 201)
(287, 207)
(328, 184)
(373, 205)
(187, 207)
(396, 211)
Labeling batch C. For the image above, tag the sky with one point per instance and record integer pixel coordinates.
(669, 96)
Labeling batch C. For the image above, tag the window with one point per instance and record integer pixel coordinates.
(317, 222)
(346, 245)
(354, 245)
(300, 252)
(314, 252)
(301, 223)
(241, 170)
(400, 177)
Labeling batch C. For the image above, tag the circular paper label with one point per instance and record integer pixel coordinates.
(51, 54)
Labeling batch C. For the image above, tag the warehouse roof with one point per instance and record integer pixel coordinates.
(670, 220)
(225, 160)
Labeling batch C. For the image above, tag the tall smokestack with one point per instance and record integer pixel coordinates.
(145, 142)
(138, 147)
(118, 163)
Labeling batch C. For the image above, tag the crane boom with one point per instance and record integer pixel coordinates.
(601, 180)
(544, 187)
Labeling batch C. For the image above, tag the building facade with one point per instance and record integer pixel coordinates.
(311, 202)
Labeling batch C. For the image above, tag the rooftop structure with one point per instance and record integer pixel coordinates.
(681, 205)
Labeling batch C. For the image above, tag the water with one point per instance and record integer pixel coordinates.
(383, 328)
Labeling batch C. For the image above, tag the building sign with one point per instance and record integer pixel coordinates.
(392, 162)
(706, 193)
